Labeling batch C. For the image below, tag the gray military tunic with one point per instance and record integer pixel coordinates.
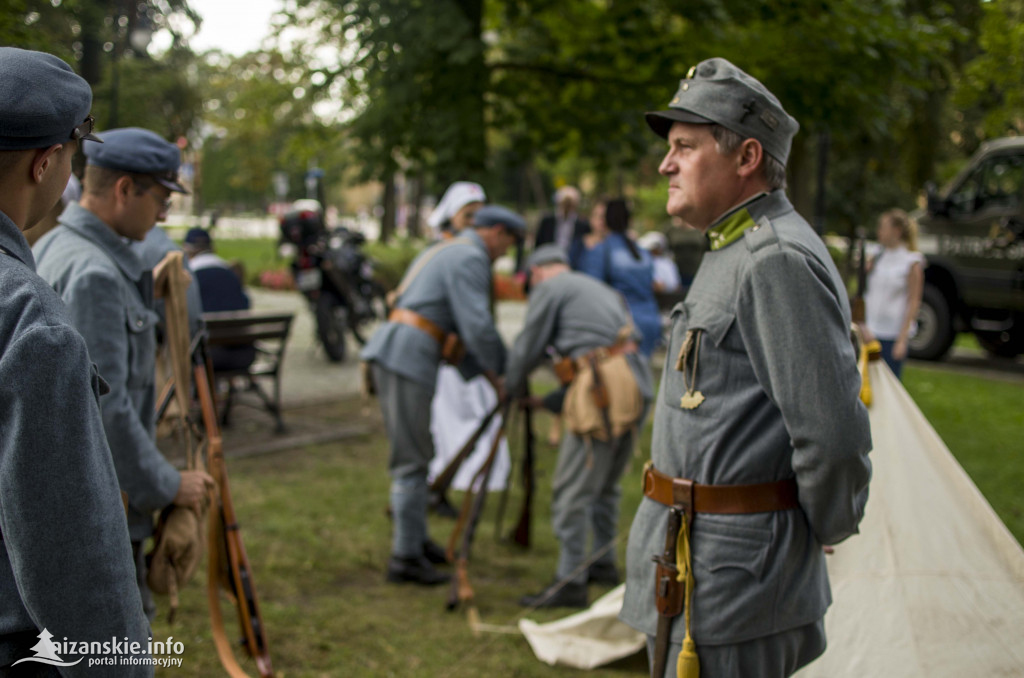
(107, 292)
(453, 291)
(575, 313)
(65, 561)
(779, 375)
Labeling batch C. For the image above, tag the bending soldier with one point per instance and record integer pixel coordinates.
(760, 441)
(108, 292)
(65, 558)
(442, 311)
(586, 322)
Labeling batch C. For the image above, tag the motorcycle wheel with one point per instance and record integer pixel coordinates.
(363, 327)
(331, 320)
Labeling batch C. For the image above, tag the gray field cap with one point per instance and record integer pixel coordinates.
(133, 149)
(547, 254)
(492, 215)
(42, 101)
(716, 91)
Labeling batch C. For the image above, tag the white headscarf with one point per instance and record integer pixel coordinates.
(458, 195)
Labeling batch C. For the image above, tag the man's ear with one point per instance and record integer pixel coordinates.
(42, 161)
(123, 187)
(750, 157)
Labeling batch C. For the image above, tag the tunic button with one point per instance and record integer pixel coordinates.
(138, 323)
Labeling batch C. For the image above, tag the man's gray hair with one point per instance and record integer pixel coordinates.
(728, 141)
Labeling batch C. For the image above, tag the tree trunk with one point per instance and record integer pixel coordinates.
(387, 221)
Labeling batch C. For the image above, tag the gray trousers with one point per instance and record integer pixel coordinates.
(405, 405)
(585, 499)
(775, 656)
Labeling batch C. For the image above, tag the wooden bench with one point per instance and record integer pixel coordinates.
(268, 334)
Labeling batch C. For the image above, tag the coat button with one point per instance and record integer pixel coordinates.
(138, 323)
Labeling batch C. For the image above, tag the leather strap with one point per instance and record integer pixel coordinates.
(404, 316)
(723, 499)
(566, 368)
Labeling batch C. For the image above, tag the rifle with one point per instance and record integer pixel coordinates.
(469, 517)
(444, 480)
(521, 534)
(227, 564)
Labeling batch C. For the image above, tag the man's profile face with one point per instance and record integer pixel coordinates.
(147, 203)
(703, 183)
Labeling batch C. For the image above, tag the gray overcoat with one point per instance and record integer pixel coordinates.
(65, 562)
(108, 293)
(453, 290)
(780, 379)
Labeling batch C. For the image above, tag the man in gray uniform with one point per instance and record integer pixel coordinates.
(65, 558)
(760, 441)
(443, 302)
(579, 316)
(108, 292)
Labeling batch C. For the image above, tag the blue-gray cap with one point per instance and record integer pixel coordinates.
(133, 149)
(492, 215)
(42, 101)
(716, 91)
(550, 253)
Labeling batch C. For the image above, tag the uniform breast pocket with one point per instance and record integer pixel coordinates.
(141, 323)
(697, 373)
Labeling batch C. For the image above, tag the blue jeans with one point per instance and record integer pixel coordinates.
(895, 365)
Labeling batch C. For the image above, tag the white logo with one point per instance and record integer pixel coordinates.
(112, 652)
(46, 652)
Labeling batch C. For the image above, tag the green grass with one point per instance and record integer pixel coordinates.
(982, 422)
(315, 527)
(256, 255)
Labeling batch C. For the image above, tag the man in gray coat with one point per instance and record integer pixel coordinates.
(65, 558)
(577, 316)
(443, 301)
(109, 294)
(760, 441)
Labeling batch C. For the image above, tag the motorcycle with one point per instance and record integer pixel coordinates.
(335, 276)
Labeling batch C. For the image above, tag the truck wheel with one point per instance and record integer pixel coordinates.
(1008, 344)
(934, 327)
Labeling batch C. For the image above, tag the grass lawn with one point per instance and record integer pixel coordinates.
(314, 524)
(982, 423)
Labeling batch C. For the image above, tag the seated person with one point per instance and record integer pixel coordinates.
(221, 290)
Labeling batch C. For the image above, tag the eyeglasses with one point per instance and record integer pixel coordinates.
(83, 130)
(165, 203)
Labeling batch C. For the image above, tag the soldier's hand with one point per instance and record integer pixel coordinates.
(194, 487)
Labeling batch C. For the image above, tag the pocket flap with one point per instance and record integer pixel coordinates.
(715, 321)
(140, 319)
(720, 545)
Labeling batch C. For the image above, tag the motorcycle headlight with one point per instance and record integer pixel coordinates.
(287, 250)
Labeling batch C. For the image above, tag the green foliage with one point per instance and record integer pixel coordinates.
(991, 82)
(393, 259)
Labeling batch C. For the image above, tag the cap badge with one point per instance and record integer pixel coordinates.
(770, 120)
(690, 73)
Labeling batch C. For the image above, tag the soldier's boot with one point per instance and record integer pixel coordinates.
(603, 573)
(434, 552)
(416, 570)
(557, 594)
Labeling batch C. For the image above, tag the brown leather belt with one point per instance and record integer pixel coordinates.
(452, 349)
(731, 499)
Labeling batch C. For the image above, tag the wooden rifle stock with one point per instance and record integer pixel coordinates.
(521, 534)
(228, 565)
(469, 517)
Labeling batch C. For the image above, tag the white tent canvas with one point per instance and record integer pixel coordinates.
(933, 585)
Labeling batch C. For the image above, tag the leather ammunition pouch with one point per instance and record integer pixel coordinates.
(612, 400)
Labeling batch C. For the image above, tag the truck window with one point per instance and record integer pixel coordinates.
(1001, 181)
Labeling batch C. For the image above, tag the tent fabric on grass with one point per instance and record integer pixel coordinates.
(933, 586)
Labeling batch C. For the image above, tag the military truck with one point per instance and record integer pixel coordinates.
(972, 233)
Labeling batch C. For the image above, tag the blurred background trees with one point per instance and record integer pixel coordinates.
(524, 95)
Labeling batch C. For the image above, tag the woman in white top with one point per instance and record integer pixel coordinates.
(894, 287)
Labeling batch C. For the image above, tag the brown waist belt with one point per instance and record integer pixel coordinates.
(452, 349)
(734, 499)
(566, 368)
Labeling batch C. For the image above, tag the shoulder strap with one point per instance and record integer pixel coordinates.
(413, 272)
